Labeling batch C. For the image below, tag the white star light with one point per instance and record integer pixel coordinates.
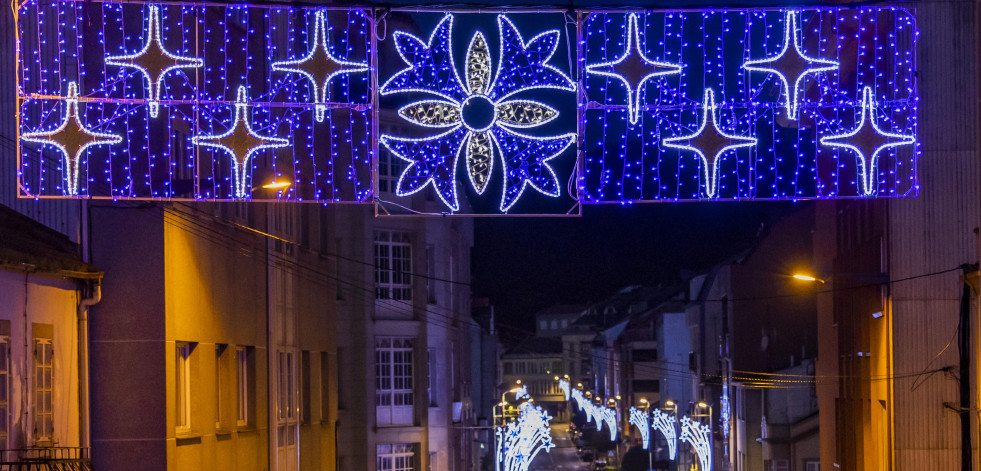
(319, 65)
(796, 58)
(713, 137)
(635, 63)
(72, 138)
(866, 130)
(154, 61)
(240, 141)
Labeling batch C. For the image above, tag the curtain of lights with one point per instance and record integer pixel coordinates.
(176, 101)
(477, 112)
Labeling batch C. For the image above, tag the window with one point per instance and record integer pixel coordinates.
(431, 274)
(324, 387)
(390, 169)
(646, 386)
(393, 266)
(182, 386)
(644, 354)
(4, 387)
(243, 377)
(287, 412)
(43, 390)
(395, 457)
(812, 465)
(219, 381)
(305, 386)
(393, 380)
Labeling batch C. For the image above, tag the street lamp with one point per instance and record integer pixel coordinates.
(650, 438)
(706, 406)
(806, 277)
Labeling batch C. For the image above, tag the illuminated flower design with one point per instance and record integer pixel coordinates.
(477, 112)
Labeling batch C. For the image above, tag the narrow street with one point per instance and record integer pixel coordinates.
(563, 456)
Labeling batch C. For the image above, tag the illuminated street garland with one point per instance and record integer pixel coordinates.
(521, 440)
(319, 65)
(699, 436)
(868, 141)
(791, 60)
(640, 420)
(709, 143)
(800, 83)
(478, 112)
(596, 413)
(633, 68)
(72, 138)
(667, 425)
(564, 387)
(154, 61)
(241, 142)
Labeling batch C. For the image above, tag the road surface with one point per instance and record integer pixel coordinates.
(563, 457)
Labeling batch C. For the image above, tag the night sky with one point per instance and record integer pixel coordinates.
(527, 264)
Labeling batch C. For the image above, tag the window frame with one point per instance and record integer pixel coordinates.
(182, 386)
(393, 265)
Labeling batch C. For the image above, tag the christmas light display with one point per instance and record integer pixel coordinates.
(596, 413)
(791, 60)
(710, 142)
(521, 440)
(319, 65)
(478, 112)
(669, 105)
(699, 436)
(640, 420)
(785, 78)
(240, 141)
(564, 387)
(868, 141)
(633, 68)
(154, 61)
(666, 424)
(72, 138)
(167, 77)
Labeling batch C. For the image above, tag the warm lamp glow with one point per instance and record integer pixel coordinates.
(805, 277)
(274, 185)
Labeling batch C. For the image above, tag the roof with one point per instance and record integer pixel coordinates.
(26, 244)
(543, 346)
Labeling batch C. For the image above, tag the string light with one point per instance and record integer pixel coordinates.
(481, 118)
(868, 141)
(791, 60)
(640, 420)
(521, 440)
(633, 68)
(667, 425)
(699, 437)
(841, 51)
(72, 138)
(159, 74)
(319, 65)
(710, 142)
(154, 61)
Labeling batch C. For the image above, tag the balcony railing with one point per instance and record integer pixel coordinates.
(45, 459)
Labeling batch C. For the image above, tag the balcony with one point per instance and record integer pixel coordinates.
(45, 459)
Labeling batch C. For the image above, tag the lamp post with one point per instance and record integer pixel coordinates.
(504, 414)
(671, 406)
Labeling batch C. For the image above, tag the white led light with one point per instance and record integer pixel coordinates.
(520, 441)
(152, 50)
(634, 90)
(310, 65)
(639, 419)
(815, 65)
(433, 160)
(240, 157)
(666, 424)
(700, 438)
(867, 165)
(564, 386)
(71, 159)
(710, 163)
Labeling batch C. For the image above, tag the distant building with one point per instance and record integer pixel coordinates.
(535, 363)
(46, 292)
(485, 351)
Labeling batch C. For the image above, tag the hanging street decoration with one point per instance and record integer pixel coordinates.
(710, 142)
(71, 138)
(790, 81)
(633, 68)
(791, 64)
(640, 420)
(519, 441)
(456, 112)
(481, 119)
(699, 436)
(667, 425)
(170, 81)
(868, 141)
(564, 387)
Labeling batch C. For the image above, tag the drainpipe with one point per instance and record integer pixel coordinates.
(94, 296)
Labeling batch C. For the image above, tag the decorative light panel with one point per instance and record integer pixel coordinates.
(640, 420)
(486, 115)
(748, 104)
(201, 102)
(519, 441)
